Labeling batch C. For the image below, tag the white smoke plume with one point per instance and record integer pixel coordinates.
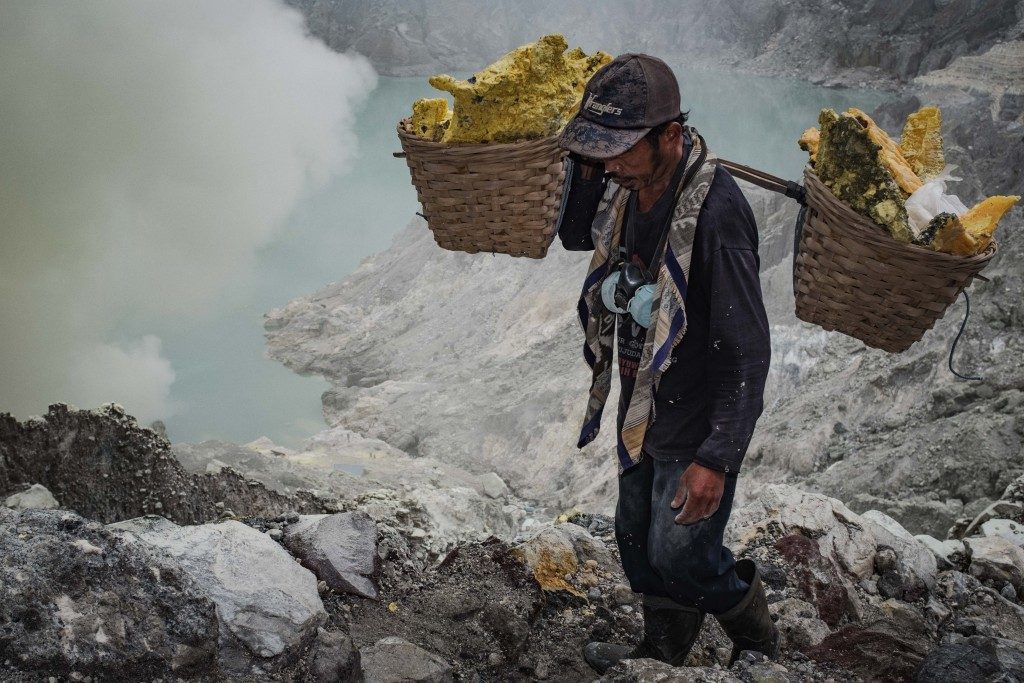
(148, 148)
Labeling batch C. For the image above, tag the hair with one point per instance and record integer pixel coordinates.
(654, 133)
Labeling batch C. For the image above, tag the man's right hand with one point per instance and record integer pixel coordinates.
(699, 493)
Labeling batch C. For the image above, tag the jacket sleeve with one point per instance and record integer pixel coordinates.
(586, 186)
(739, 353)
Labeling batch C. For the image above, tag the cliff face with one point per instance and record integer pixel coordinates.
(844, 40)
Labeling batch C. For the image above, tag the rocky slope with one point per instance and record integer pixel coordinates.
(103, 465)
(339, 597)
(839, 41)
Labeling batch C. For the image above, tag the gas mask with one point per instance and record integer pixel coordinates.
(627, 290)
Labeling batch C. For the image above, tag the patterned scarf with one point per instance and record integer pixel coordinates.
(668, 324)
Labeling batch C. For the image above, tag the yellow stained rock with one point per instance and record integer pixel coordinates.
(809, 142)
(891, 154)
(529, 93)
(550, 566)
(921, 142)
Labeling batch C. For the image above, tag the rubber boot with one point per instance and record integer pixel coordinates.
(670, 630)
(749, 624)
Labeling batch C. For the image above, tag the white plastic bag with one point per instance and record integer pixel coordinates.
(931, 199)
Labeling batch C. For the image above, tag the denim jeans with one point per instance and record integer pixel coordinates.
(687, 563)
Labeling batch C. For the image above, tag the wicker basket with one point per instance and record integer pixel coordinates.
(851, 276)
(499, 198)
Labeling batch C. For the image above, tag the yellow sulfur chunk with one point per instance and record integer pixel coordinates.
(921, 142)
(981, 220)
(531, 92)
(430, 118)
(850, 164)
(809, 142)
(952, 238)
(891, 155)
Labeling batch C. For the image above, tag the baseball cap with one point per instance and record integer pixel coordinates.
(622, 102)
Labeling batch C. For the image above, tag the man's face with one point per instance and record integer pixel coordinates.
(634, 169)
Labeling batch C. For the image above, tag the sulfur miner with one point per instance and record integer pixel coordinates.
(531, 92)
(673, 293)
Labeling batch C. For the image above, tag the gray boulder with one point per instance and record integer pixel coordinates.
(268, 605)
(36, 497)
(993, 558)
(493, 486)
(340, 549)
(74, 598)
(1000, 509)
(1004, 528)
(393, 660)
(798, 623)
(915, 556)
(842, 535)
(334, 658)
(949, 554)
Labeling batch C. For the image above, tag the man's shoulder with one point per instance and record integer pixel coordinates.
(726, 218)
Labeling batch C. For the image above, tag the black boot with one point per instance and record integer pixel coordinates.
(749, 624)
(669, 632)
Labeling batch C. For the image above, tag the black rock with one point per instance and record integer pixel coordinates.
(774, 576)
(886, 560)
(890, 585)
(961, 663)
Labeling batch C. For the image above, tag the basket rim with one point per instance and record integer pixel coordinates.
(406, 136)
(887, 241)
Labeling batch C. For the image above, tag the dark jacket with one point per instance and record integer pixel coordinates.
(709, 400)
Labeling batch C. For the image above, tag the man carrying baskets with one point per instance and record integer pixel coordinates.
(674, 277)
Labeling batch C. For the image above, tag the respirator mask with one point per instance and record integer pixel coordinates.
(628, 290)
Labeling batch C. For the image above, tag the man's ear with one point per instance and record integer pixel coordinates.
(673, 132)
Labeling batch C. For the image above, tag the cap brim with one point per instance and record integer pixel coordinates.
(598, 142)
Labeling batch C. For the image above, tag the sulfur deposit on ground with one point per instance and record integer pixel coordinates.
(875, 175)
(531, 92)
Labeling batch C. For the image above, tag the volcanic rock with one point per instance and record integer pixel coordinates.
(73, 597)
(394, 659)
(36, 497)
(268, 605)
(340, 549)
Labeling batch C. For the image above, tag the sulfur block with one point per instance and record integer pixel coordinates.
(981, 220)
(891, 154)
(809, 142)
(530, 92)
(935, 226)
(431, 118)
(921, 142)
(852, 166)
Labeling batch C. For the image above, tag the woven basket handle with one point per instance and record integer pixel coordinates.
(789, 188)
